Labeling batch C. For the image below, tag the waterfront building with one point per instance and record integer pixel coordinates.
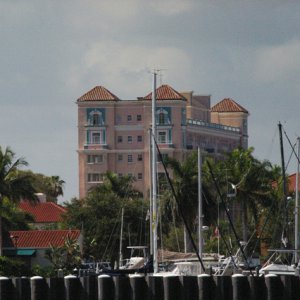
(114, 134)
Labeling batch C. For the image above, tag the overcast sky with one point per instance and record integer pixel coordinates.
(52, 52)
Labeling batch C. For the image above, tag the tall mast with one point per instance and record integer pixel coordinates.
(150, 196)
(200, 213)
(284, 234)
(154, 181)
(297, 204)
(121, 238)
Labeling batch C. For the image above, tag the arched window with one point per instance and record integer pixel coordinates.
(162, 116)
(95, 118)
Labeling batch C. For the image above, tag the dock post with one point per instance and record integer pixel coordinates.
(72, 288)
(206, 287)
(105, 287)
(138, 286)
(240, 287)
(5, 288)
(274, 287)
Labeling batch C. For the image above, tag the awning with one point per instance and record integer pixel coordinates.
(19, 252)
(25, 252)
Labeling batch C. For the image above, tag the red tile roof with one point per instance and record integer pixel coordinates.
(292, 183)
(98, 93)
(228, 105)
(44, 212)
(41, 238)
(165, 92)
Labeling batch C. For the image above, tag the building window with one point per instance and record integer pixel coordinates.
(161, 118)
(140, 138)
(130, 175)
(140, 157)
(96, 138)
(95, 116)
(95, 177)
(129, 139)
(163, 115)
(120, 157)
(129, 158)
(140, 176)
(162, 137)
(95, 159)
(120, 175)
(139, 117)
(164, 157)
(129, 118)
(120, 139)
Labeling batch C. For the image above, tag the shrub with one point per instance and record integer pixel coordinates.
(13, 267)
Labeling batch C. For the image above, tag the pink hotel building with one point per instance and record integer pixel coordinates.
(113, 134)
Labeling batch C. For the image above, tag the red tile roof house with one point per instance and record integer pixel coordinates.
(33, 244)
(44, 213)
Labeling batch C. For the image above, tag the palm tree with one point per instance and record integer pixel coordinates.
(185, 178)
(120, 186)
(252, 180)
(55, 187)
(13, 185)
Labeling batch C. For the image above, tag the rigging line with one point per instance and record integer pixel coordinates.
(215, 224)
(229, 218)
(271, 145)
(174, 224)
(263, 228)
(293, 147)
(179, 205)
(161, 233)
(111, 234)
(290, 157)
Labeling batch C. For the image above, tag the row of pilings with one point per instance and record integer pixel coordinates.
(137, 287)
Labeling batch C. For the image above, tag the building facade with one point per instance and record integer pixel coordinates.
(114, 134)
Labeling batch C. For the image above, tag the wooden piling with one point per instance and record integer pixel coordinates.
(105, 287)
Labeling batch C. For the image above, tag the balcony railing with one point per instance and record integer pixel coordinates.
(213, 125)
(95, 146)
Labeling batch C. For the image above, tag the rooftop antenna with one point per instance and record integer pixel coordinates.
(159, 73)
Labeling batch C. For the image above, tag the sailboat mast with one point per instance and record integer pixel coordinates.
(150, 196)
(284, 237)
(154, 181)
(121, 238)
(297, 204)
(200, 213)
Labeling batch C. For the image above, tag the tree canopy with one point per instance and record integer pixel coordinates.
(99, 216)
(14, 185)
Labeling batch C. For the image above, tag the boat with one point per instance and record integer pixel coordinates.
(280, 262)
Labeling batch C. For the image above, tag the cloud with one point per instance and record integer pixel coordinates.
(276, 63)
(171, 7)
(16, 12)
(128, 66)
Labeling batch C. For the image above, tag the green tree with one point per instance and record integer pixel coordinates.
(99, 216)
(51, 186)
(14, 218)
(122, 186)
(13, 184)
(65, 257)
(185, 183)
(252, 179)
(54, 188)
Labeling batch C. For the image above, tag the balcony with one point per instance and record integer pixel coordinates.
(213, 125)
(95, 146)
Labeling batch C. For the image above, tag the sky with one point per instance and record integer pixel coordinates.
(52, 52)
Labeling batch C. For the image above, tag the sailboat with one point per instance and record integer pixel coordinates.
(273, 265)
